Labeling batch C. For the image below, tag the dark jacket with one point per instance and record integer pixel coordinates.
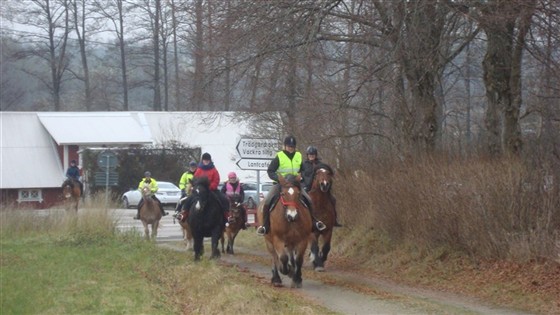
(308, 171)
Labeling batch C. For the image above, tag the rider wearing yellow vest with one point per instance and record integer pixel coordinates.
(287, 162)
(148, 180)
(185, 184)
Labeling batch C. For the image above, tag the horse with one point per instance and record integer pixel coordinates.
(150, 213)
(323, 209)
(72, 193)
(187, 235)
(290, 231)
(235, 224)
(205, 218)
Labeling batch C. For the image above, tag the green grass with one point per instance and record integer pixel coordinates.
(60, 264)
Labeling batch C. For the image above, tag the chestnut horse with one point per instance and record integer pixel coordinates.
(235, 224)
(187, 235)
(72, 193)
(323, 209)
(150, 214)
(290, 231)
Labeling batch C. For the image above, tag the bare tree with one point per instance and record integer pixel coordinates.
(114, 14)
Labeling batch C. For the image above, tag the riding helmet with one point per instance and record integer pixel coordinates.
(206, 156)
(147, 174)
(311, 150)
(290, 141)
(192, 163)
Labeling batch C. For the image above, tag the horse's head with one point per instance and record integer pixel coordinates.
(290, 195)
(323, 179)
(146, 190)
(201, 191)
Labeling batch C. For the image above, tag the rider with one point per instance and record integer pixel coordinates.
(308, 171)
(185, 184)
(233, 189)
(286, 162)
(207, 169)
(153, 188)
(73, 174)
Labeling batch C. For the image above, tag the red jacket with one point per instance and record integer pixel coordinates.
(212, 174)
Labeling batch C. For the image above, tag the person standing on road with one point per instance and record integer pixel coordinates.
(286, 162)
(148, 180)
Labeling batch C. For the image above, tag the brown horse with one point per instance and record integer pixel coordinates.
(235, 224)
(323, 209)
(72, 193)
(150, 214)
(187, 235)
(290, 232)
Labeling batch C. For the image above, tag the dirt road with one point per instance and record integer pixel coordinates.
(338, 290)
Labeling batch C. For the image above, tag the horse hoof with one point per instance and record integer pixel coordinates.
(277, 284)
(296, 285)
(319, 269)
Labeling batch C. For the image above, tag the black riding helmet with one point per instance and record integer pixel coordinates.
(290, 141)
(311, 150)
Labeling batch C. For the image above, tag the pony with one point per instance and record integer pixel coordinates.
(235, 224)
(290, 231)
(72, 193)
(323, 209)
(185, 229)
(150, 214)
(205, 218)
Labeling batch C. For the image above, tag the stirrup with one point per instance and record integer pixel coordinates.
(320, 225)
(261, 230)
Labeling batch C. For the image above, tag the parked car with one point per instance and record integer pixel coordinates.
(168, 194)
(250, 189)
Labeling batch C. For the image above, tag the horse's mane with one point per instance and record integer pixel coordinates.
(204, 181)
(290, 178)
(323, 165)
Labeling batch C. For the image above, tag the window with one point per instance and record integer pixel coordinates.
(30, 195)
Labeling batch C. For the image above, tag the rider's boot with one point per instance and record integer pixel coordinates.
(317, 224)
(263, 229)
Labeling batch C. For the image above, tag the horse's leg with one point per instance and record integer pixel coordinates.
(314, 253)
(326, 247)
(216, 235)
(146, 231)
(197, 247)
(275, 280)
(285, 267)
(155, 226)
(222, 240)
(297, 264)
(233, 240)
(229, 248)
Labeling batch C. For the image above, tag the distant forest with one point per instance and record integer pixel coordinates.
(351, 76)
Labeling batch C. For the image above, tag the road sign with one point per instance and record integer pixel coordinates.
(107, 159)
(250, 148)
(101, 179)
(253, 164)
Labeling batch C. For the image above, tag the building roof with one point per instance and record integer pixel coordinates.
(29, 157)
(96, 128)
